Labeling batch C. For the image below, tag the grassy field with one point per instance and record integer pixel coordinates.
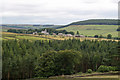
(80, 79)
(104, 77)
(92, 76)
(85, 76)
(28, 26)
(91, 30)
(9, 36)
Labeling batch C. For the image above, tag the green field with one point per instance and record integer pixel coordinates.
(80, 79)
(91, 30)
(9, 36)
(103, 77)
(28, 26)
(84, 76)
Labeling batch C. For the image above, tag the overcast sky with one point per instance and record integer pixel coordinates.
(56, 11)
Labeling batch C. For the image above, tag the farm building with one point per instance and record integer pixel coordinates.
(82, 36)
(61, 34)
(69, 35)
(35, 33)
(45, 32)
(54, 33)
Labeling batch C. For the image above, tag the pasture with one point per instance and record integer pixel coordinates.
(104, 77)
(85, 76)
(9, 35)
(91, 30)
(81, 79)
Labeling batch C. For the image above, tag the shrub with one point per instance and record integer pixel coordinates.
(103, 68)
(112, 68)
(100, 36)
(109, 36)
(80, 73)
(96, 36)
(89, 70)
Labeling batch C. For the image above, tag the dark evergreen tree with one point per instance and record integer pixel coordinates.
(109, 36)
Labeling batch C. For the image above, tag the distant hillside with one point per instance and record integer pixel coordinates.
(94, 22)
(27, 26)
(91, 30)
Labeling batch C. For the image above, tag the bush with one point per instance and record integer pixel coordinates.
(100, 36)
(96, 36)
(112, 68)
(80, 73)
(109, 36)
(89, 70)
(103, 68)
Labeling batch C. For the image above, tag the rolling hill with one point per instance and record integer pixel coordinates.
(87, 27)
(27, 26)
(97, 22)
(94, 22)
(93, 27)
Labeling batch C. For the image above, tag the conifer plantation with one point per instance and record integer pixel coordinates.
(24, 59)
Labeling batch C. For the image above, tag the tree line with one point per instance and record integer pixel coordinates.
(97, 22)
(94, 22)
(28, 59)
(30, 31)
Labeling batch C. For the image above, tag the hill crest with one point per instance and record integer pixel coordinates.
(94, 22)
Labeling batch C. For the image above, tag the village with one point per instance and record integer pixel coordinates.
(59, 34)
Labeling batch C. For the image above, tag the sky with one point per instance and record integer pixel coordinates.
(57, 12)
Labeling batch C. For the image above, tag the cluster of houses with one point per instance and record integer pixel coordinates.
(59, 34)
(43, 32)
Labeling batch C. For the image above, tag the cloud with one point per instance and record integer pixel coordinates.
(56, 11)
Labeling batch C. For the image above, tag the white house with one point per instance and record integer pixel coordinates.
(45, 32)
(35, 33)
(61, 34)
(82, 36)
(54, 33)
(69, 35)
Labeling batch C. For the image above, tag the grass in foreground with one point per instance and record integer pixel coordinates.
(79, 79)
(86, 76)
